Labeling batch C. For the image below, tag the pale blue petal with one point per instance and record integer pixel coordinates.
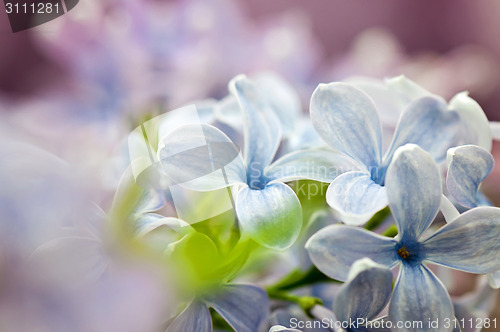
(305, 136)
(468, 166)
(228, 111)
(346, 118)
(356, 197)
(365, 293)
(389, 104)
(414, 189)
(283, 99)
(428, 123)
(244, 307)
(476, 129)
(316, 164)
(195, 317)
(469, 243)
(335, 248)
(323, 314)
(148, 222)
(419, 297)
(201, 157)
(271, 216)
(262, 127)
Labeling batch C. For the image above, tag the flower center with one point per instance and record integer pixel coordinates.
(403, 253)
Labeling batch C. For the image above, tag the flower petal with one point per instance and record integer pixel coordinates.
(244, 307)
(148, 222)
(495, 130)
(346, 118)
(414, 190)
(335, 248)
(469, 243)
(406, 88)
(195, 317)
(475, 123)
(201, 157)
(468, 166)
(262, 127)
(448, 210)
(271, 216)
(388, 102)
(428, 123)
(494, 279)
(283, 99)
(315, 164)
(356, 197)
(420, 298)
(366, 292)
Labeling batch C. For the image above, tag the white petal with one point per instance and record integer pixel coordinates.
(356, 197)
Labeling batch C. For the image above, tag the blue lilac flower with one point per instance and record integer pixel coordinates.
(469, 243)
(347, 120)
(392, 95)
(267, 209)
(359, 300)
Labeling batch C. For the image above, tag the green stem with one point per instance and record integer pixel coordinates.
(298, 278)
(378, 219)
(305, 302)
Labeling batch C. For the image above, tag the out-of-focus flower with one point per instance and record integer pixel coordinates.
(124, 56)
(347, 120)
(244, 307)
(477, 305)
(414, 192)
(57, 272)
(377, 53)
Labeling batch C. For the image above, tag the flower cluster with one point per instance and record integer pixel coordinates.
(216, 190)
(245, 214)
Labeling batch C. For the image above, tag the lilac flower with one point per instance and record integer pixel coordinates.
(469, 243)
(468, 166)
(267, 209)
(359, 300)
(392, 96)
(347, 120)
(244, 307)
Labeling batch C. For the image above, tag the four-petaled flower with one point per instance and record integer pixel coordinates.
(469, 243)
(346, 119)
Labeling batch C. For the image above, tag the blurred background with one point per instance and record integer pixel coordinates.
(76, 86)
